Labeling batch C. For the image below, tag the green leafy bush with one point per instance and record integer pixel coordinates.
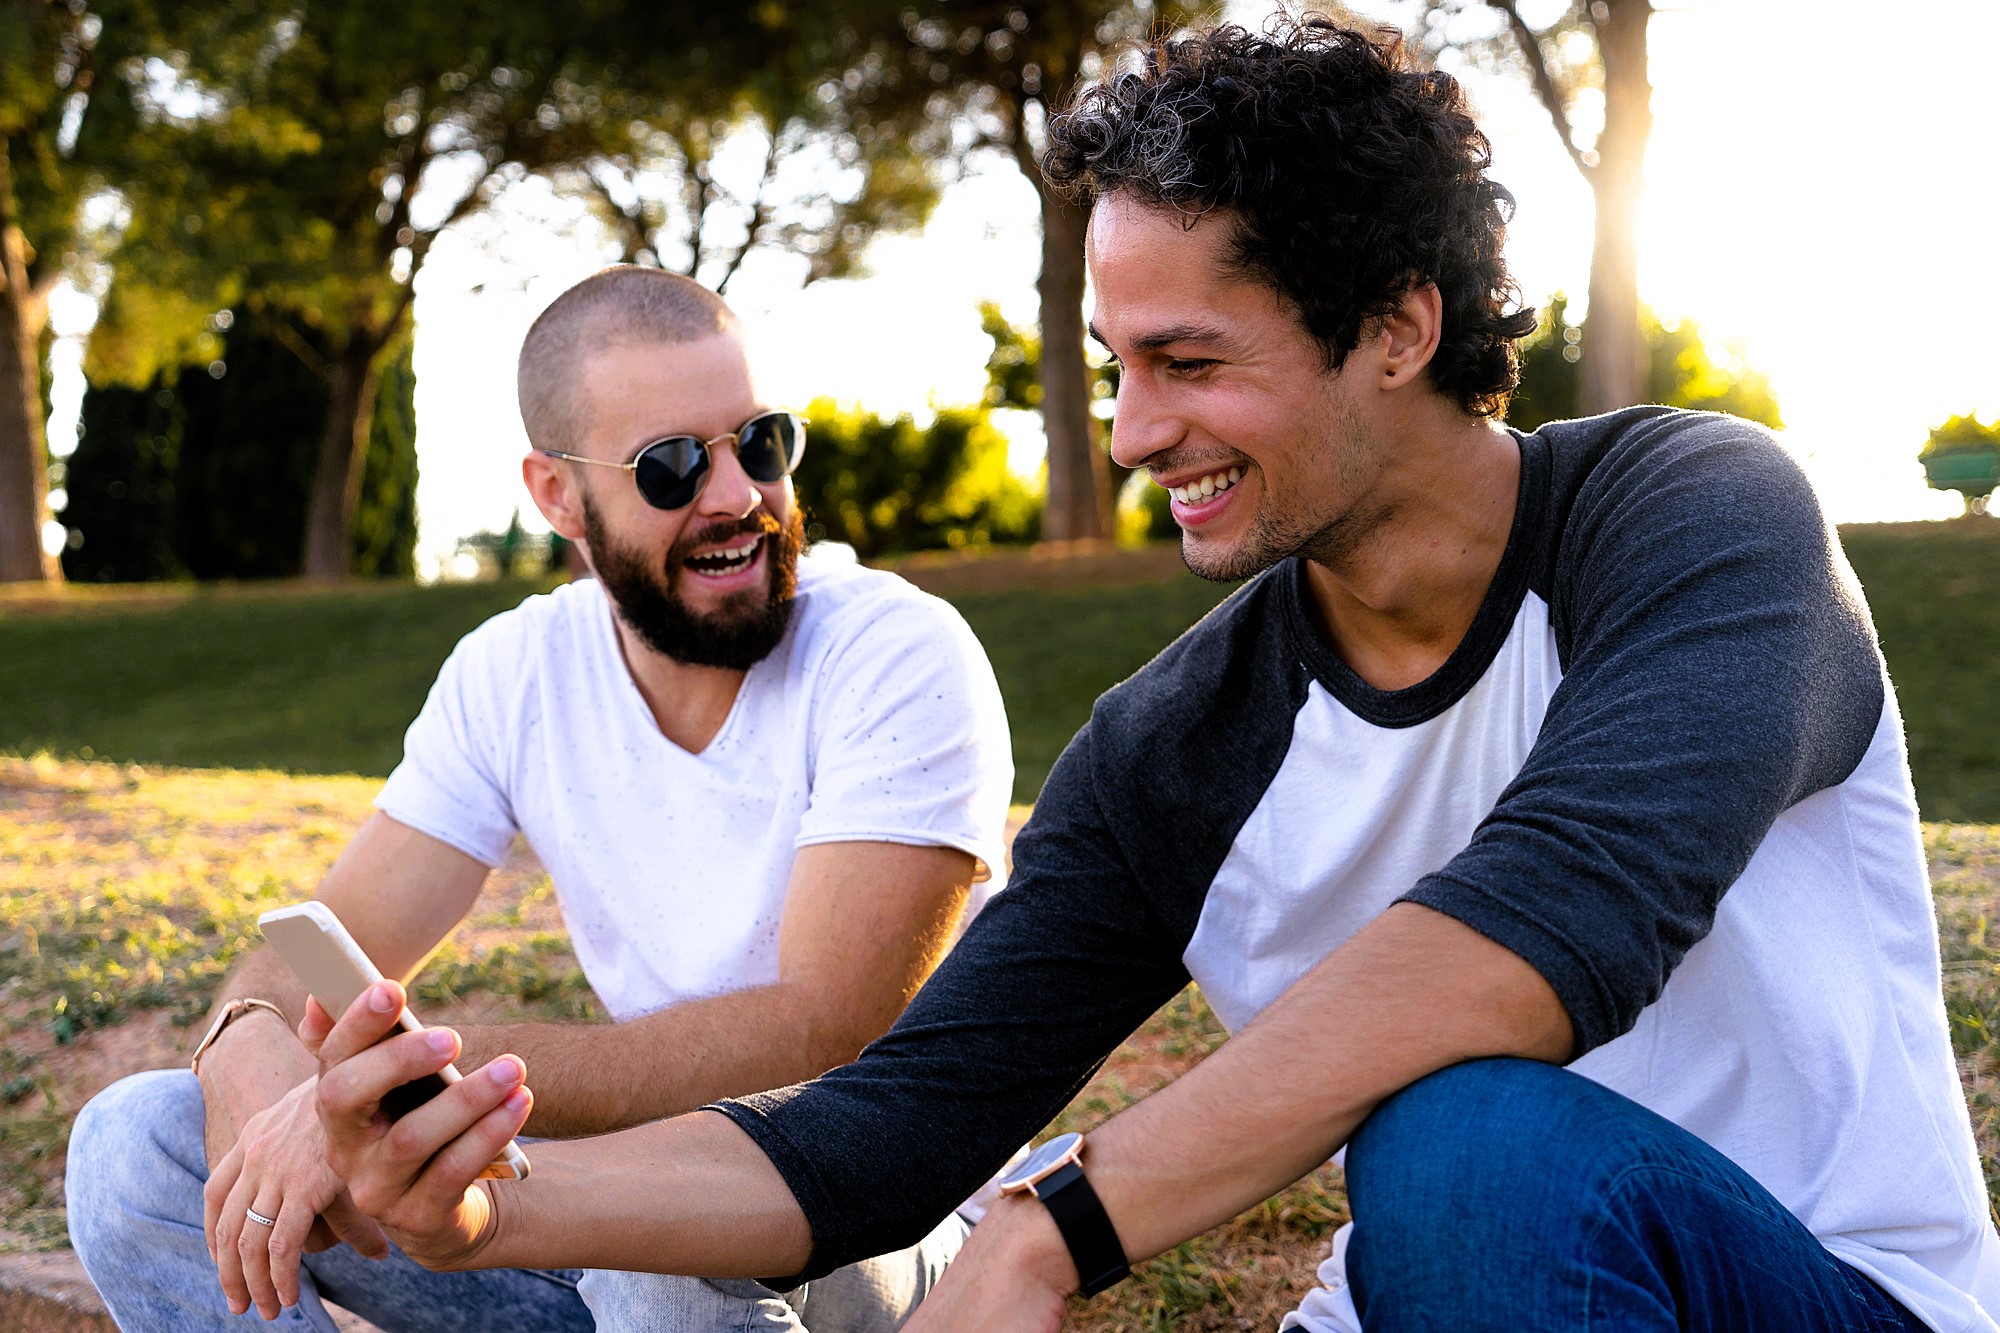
(1680, 373)
(887, 485)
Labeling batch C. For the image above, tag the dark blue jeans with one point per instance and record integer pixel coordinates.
(1511, 1195)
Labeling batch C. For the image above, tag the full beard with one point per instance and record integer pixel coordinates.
(736, 635)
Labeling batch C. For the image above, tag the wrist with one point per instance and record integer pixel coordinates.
(1030, 1245)
(252, 1063)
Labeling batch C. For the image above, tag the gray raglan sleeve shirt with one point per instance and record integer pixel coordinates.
(1718, 667)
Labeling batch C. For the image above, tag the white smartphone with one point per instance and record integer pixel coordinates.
(320, 952)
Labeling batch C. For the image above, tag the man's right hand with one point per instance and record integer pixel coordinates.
(278, 1166)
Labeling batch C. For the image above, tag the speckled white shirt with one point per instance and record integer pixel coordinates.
(877, 718)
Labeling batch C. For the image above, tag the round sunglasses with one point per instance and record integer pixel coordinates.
(671, 472)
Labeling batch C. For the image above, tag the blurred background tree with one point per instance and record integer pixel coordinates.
(47, 66)
(888, 486)
(1008, 65)
(1588, 66)
(1014, 381)
(1680, 372)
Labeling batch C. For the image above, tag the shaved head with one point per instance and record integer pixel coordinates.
(621, 306)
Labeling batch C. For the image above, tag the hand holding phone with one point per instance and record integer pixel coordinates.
(320, 952)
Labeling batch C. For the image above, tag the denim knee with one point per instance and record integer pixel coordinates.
(128, 1158)
(1472, 1146)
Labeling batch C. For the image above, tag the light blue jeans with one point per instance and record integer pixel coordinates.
(134, 1179)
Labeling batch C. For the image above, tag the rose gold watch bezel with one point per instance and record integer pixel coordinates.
(1074, 1154)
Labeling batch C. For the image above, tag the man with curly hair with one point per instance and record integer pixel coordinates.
(1537, 818)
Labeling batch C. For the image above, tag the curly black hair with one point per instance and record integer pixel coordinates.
(1353, 178)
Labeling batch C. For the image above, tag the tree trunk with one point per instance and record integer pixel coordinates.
(24, 473)
(1079, 499)
(343, 450)
(1614, 361)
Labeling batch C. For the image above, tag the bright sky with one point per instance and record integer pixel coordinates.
(1821, 186)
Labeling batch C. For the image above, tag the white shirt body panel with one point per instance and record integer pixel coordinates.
(877, 718)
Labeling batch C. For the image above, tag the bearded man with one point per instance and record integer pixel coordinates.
(767, 788)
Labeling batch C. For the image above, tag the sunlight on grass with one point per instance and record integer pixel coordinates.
(129, 892)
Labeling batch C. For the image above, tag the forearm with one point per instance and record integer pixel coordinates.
(692, 1195)
(1411, 994)
(596, 1078)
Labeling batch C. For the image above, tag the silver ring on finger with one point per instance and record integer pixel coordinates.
(252, 1215)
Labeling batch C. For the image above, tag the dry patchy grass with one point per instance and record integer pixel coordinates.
(126, 893)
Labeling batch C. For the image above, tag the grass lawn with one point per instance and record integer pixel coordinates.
(326, 681)
(1935, 592)
(306, 682)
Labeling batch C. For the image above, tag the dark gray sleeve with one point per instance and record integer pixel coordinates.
(1719, 666)
(1056, 971)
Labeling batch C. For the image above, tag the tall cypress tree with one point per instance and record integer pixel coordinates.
(121, 486)
(207, 472)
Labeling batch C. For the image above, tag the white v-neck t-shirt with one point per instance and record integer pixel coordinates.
(876, 719)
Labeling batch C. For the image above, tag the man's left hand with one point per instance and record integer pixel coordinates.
(417, 1176)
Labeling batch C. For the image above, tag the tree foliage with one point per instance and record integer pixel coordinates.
(1963, 455)
(830, 142)
(1014, 370)
(1965, 433)
(888, 485)
(312, 156)
(1680, 372)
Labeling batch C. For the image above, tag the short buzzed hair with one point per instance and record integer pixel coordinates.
(620, 306)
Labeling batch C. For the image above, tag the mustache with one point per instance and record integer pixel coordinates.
(1182, 458)
(760, 524)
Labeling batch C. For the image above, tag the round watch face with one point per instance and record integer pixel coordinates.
(1043, 1160)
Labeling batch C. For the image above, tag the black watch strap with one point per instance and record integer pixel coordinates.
(1086, 1228)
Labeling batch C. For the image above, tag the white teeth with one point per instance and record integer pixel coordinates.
(1207, 487)
(729, 560)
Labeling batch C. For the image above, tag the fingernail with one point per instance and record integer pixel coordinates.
(440, 1041)
(517, 1101)
(380, 1000)
(506, 1070)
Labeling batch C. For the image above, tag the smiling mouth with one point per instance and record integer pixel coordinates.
(1203, 488)
(729, 560)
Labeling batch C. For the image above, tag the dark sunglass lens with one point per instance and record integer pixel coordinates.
(770, 445)
(670, 471)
